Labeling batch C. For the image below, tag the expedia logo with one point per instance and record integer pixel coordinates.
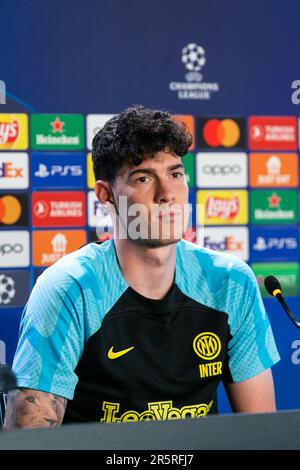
(207, 345)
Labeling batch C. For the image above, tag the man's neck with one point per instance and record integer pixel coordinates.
(148, 270)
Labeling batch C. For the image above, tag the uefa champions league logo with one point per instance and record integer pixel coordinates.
(2, 92)
(193, 57)
(7, 289)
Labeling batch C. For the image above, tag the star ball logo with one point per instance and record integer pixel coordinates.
(7, 289)
(193, 58)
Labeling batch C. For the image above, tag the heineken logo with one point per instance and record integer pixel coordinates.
(57, 132)
(274, 201)
(57, 125)
(274, 206)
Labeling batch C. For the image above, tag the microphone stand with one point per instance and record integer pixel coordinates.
(7, 382)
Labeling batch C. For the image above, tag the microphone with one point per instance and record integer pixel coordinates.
(274, 288)
(7, 379)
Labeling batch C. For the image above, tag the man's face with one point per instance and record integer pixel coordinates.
(156, 194)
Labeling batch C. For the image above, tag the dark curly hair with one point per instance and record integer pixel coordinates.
(133, 134)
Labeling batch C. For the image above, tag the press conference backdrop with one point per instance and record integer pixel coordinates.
(225, 68)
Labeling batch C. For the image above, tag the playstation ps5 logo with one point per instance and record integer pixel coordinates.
(2, 92)
(58, 170)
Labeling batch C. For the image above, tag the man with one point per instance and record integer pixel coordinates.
(144, 326)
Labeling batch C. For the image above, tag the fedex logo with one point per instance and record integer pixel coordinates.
(227, 244)
(227, 239)
(14, 173)
(8, 170)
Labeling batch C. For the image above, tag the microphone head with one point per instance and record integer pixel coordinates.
(272, 285)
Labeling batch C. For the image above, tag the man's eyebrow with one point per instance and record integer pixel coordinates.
(152, 171)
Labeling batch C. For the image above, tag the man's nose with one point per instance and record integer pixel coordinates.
(164, 192)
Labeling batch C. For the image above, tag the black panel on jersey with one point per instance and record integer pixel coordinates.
(162, 366)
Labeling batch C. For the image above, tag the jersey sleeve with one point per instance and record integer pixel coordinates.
(252, 347)
(51, 339)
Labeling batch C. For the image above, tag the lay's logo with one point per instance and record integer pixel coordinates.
(224, 207)
(13, 131)
(9, 132)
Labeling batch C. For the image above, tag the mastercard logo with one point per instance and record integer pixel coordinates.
(10, 210)
(225, 133)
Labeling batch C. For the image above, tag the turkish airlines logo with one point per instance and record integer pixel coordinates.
(273, 133)
(41, 209)
(61, 208)
(221, 133)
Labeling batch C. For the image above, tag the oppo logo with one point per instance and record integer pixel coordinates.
(222, 169)
(7, 248)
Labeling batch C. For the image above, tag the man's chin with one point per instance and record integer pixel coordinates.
(156, 242)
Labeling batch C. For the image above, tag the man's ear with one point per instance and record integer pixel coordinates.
(103, 191)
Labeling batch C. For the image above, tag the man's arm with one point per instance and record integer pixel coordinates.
(28, 408)
(255, 395)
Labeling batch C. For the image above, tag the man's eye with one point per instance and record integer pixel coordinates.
(31, 399)
(177, 174)
(142, 179)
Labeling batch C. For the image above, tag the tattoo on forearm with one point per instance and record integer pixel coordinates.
(27, 408)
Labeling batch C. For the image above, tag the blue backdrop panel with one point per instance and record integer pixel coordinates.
(99, 57)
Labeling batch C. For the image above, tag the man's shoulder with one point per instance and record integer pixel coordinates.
(209, 260)
(79, 266)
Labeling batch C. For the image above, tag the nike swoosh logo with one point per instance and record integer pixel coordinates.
(114, 355)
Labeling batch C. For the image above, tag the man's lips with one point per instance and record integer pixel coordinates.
(171, 214)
